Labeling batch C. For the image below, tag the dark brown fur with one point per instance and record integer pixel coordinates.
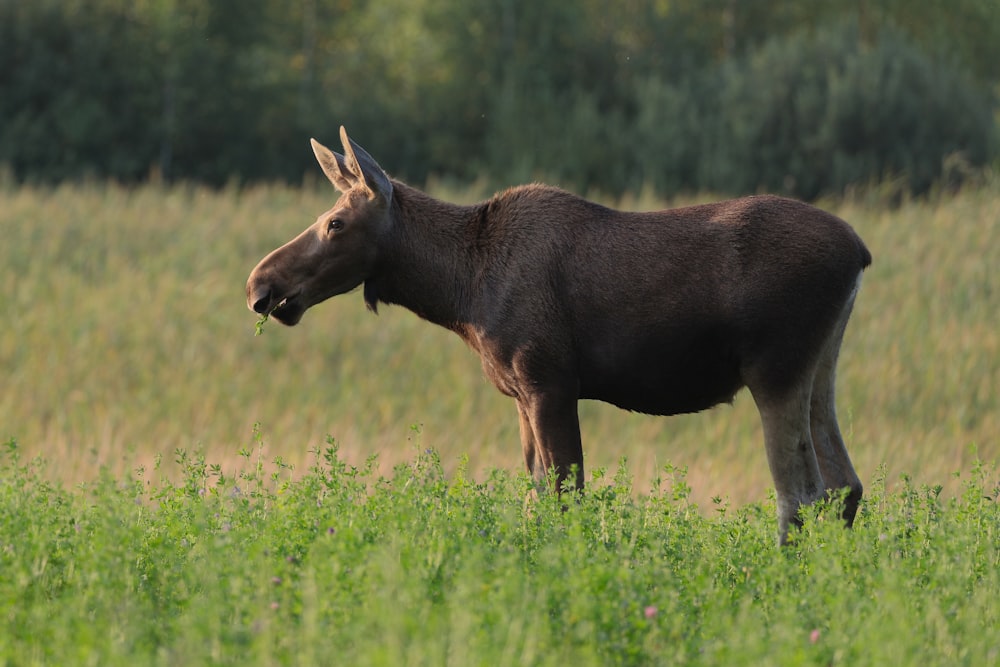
(663, 313)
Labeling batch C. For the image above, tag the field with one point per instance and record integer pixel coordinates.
(341, 567)
(146, 520)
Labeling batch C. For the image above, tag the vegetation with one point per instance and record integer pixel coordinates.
(127, 337)
(255, 568)
(127, 347)
(687, 95)
(377, 515)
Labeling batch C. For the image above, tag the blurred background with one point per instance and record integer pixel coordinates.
(728, 96)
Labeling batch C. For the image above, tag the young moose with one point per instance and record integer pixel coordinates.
(563, 299)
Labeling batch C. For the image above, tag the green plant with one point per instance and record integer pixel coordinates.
(422, 567)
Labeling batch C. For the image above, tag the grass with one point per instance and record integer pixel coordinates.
(137, 526)
(127, 337)
(326, 568)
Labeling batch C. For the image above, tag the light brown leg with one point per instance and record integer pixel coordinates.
(529, 446)
(550, 436)
(834, 461)
(790, 453)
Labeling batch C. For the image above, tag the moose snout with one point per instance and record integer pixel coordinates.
(259, 298)
(269, 298)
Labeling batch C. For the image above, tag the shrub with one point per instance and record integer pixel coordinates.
(817, 112)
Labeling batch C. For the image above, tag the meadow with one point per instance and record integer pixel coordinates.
(342, 566)
(127, 337)
(145, 518)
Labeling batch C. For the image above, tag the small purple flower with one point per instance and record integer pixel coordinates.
(331, 530)
(275, 580)
(650, 611)
(814, 636)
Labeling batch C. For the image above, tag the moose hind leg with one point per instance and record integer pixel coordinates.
(790, 453)
(834, 462)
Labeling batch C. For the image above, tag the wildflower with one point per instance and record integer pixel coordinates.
(650, 611)
(814, 636)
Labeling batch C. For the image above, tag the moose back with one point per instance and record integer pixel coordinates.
(563, 299)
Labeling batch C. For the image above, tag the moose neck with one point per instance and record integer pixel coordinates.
(426, 261)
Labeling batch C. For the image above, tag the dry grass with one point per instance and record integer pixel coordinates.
(127, 338)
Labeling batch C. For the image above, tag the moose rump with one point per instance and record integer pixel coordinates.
(662, 312)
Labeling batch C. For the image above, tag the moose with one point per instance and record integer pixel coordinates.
(563, 299)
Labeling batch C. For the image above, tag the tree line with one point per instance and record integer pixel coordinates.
(678, 95)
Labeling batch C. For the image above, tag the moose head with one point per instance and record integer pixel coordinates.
(337, 252)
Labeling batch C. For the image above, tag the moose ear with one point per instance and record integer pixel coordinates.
(364, 167)
(333, 166)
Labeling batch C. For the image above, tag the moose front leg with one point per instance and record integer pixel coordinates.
(550, 437)
(529, 446)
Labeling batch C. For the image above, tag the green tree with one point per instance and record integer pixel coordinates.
(815, 112)
(73, 93)
(679, 94)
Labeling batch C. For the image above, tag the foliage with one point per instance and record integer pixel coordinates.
(667, 94)
(419, 568)
(816, 113)
(127, 347)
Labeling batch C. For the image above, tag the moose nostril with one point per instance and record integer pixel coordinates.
(261, 302)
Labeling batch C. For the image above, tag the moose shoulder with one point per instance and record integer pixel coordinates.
(663, 313)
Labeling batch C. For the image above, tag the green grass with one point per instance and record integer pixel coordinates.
(343, 566)
(138, 526)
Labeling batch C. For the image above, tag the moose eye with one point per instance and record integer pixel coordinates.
(334, 225)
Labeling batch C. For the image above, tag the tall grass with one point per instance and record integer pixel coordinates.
(126, 337)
